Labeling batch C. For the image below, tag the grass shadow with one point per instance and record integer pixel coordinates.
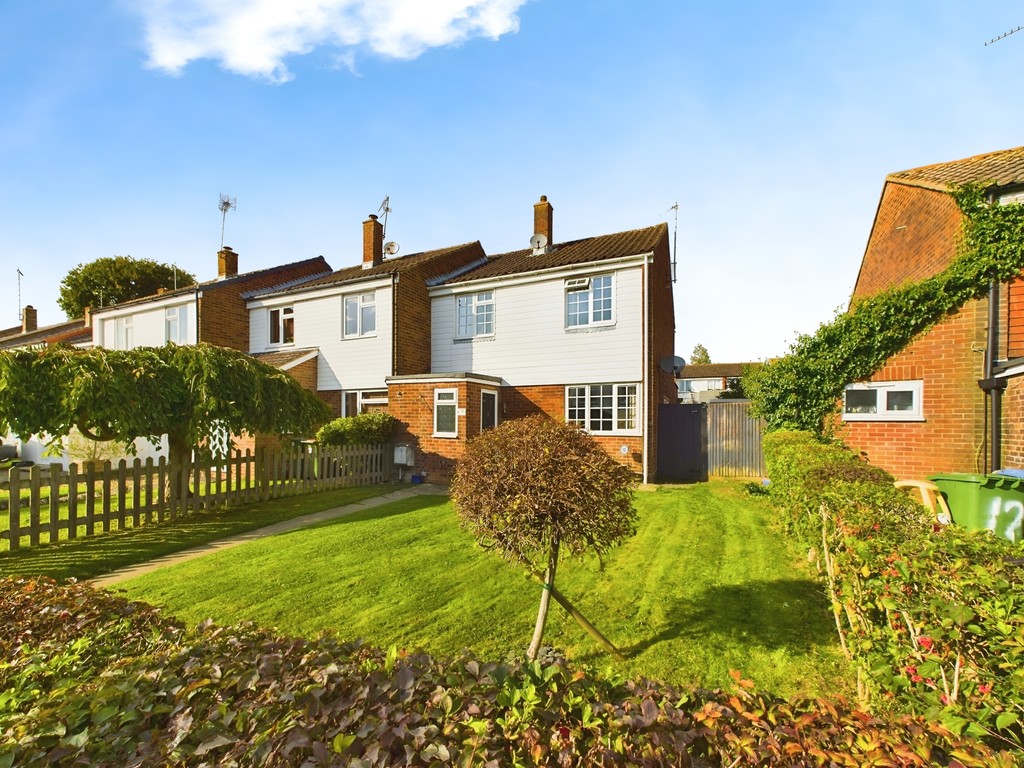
(784, 613)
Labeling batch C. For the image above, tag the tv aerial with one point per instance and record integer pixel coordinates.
(227, 203)
(1005, 34)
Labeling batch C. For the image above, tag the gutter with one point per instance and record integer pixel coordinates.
(645, 402)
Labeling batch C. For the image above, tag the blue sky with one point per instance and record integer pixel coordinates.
(772, 125)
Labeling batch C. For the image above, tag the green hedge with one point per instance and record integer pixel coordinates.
(87, 678)
(364, 429)
(933, 616)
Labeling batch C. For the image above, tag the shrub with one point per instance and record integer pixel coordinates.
(533, 486)
(931, 615)
(364, 429)
(88, 678)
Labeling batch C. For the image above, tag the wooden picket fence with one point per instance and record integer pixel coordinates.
(46, 503)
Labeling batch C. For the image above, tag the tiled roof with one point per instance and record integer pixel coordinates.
(218, 282)
(591, 249)
(70, 332)
(714, 370)
(282, 358)
(387, 267)
(1002, 169)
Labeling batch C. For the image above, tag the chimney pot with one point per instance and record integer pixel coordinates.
(543, 219)
(227, 262)
(28, 319)
(373, 242)
(87, 316)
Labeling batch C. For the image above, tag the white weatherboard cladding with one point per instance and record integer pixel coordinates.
(531, 345)
(349, 364)
(148, 324)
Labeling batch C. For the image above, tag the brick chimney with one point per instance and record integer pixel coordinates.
(227, 262)
(373, 242)
(28, 319)
(543, 218)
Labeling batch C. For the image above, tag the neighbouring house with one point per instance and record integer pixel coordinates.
(343, 334)
(29, 335)
(953, 400)
(574, 330)
(703, 383)
(213, 311)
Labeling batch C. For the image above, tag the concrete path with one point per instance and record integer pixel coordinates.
(294, 523)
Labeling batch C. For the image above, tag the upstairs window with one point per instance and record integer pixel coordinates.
(884, 401)
(476, 314)
(607, 408)
(282, 325)
(360, 315)
(176, 325)
(588, 301)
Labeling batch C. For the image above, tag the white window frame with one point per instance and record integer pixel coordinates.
(361, 302)
(474, 314)
(176, 318)
(124, 332)
(592, 287)
(619, 413)
(882, 389)
(278, 318)
(442, 399)
(483, 394)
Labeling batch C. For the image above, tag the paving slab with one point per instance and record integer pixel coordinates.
(131, 571)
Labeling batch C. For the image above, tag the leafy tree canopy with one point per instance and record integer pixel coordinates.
(800, 390)
(186, 392)
(700, 356)
(113, 279)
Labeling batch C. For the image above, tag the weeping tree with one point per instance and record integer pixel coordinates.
(189, 393)
(534, 489)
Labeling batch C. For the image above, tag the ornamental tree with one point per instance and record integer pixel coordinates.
(534, 488)
(700, 355)
(113, 279)
(189, 393)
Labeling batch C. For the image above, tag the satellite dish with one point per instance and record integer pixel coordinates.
(672, 365)
(391, 248)
(538, 242)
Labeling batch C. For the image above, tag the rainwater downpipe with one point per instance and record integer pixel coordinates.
(645, 401)
(992, 386)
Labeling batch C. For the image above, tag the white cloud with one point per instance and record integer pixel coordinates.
(254, 37)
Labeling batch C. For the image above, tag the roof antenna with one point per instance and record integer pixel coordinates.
(675, 235)
(386, 208)
(1005, 34)
(20, 275)
(226, 204)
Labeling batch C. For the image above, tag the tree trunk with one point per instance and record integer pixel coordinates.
(545, 600)
(178, 451)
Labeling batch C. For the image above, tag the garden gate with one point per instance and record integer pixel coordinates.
(716, 439)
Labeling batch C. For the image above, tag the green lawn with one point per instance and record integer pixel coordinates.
(706, 586)
(86, 558)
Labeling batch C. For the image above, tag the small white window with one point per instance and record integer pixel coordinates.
(607, 408)
(475, 314)
(124, 334)
(884, 401)
(446, 404)
(282, 325)
(176, 325)
(588, 301)
(360, 315)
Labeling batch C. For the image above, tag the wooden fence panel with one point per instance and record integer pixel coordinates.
(734, 440)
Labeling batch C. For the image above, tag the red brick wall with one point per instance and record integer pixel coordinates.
(1013, 425)
(1014, 323)
(662, 336)
(951, 437)
(913, 237)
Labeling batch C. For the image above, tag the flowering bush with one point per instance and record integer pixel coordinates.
(931, 615)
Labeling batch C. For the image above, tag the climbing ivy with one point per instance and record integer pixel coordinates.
(800, 390)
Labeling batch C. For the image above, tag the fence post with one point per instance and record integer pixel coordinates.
(14, 509)
(35, 482)
(56, 470)
(72, 501)
(90, 499)
(122, 492)
(105, 488)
